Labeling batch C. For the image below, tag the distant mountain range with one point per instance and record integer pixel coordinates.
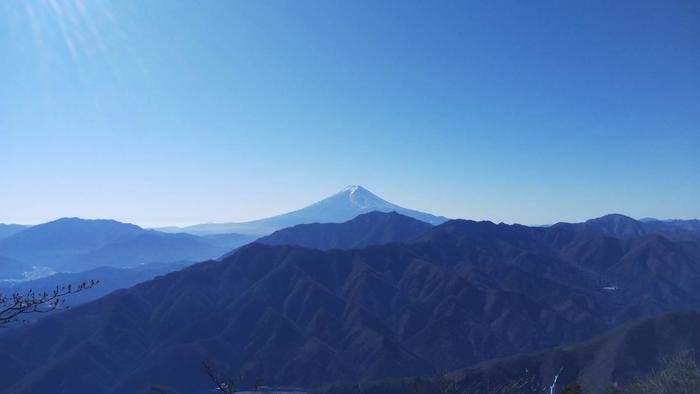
(338, 208)
(7, 230)
(617, 225)
(367, 229)
(460, 293)
(72, 244)
(51, 242)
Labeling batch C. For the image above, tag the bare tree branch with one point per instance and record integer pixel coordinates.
(12, 307)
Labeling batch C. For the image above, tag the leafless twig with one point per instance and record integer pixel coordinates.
(12, 307)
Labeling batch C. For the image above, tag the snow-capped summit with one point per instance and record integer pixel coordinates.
(352, 189)
(357, 197)
(352, 200)
(342, 206)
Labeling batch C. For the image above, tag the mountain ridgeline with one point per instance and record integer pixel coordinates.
(343, 206)
(73, 245)
(443, 298)
(374, 228)
(622, 226)
(7, 230)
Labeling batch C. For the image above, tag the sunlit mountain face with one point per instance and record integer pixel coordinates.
(342, 206)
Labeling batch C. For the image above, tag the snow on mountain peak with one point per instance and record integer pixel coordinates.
(351, 189)
(342, 206)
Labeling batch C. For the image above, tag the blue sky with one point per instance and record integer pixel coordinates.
(165, 113)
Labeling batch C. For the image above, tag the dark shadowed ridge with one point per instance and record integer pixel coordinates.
(374, 228)
(616, 357)
(462, 293)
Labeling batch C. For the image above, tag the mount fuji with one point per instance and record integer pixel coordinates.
(348, 203)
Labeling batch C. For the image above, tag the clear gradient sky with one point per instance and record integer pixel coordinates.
(174, 112)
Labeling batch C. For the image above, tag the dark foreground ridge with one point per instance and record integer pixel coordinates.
(616, 358)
